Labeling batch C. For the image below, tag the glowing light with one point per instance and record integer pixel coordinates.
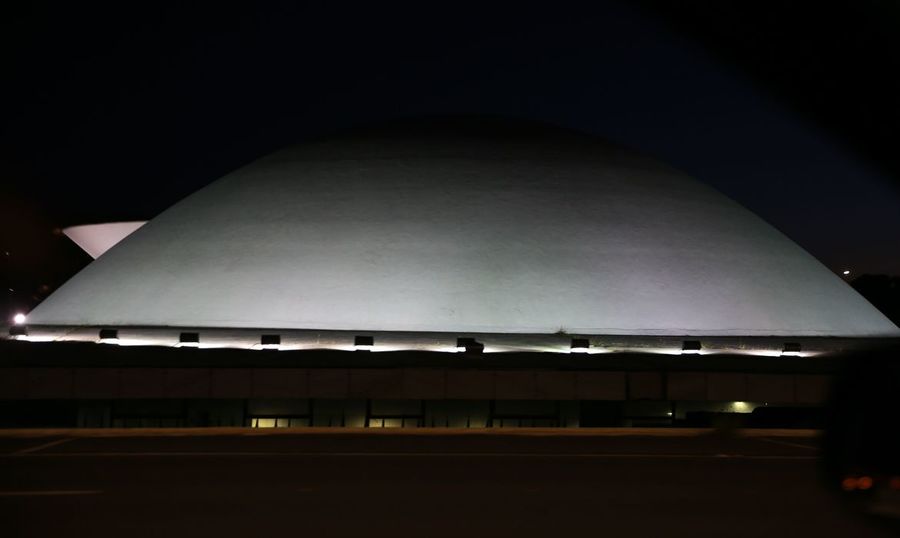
(27, 338)
(19, 318)
(864, 482)
(188, 340)
(846, 272)
(109, 336)
(580, 345)
(469, 345)
(138, 342)
(270, 341)
(263, 423)
(741, 407)
(758, 353)
(363, 343)
(848, 484)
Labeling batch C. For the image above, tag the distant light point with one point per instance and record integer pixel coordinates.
(846, 272)
(19, 319)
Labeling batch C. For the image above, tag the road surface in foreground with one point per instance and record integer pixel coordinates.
(422, 484)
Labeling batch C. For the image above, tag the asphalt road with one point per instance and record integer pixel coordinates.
(422, 485)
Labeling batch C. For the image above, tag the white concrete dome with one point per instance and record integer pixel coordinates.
(463, 227)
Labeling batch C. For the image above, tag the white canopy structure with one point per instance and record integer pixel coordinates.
(465, 227)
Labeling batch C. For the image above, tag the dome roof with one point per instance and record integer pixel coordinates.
(463, 227)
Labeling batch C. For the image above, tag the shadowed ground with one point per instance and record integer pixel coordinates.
(423, 483)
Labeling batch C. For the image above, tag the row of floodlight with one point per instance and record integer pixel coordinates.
(694, 347)
(463, 344)
(273, 341)
(367, 343)
(688, 347)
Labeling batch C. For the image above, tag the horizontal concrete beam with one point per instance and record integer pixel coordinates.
(408, 383)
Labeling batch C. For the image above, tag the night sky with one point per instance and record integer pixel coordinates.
(115, 113)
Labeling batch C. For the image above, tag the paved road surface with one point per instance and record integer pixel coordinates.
(422, 485)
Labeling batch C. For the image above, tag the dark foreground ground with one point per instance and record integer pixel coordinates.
(423, 485)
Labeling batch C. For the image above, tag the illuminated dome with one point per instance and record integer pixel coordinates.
(472, 226)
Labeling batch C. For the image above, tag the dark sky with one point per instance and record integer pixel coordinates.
(115, 113)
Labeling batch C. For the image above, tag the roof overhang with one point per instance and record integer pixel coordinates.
(444, 342)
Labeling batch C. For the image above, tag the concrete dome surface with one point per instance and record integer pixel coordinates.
(479, 228)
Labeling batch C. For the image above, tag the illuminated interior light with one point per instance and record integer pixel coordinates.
(109, 336)
(363, 343)
(469, 345)
(579, 345)
(20, 318)
(270, 341)
(264, 423)
(791, 349)
(690, 347)
(189, 340)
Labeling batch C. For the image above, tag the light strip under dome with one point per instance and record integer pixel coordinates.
(487, 343)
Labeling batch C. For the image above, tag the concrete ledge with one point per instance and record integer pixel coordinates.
(411, 432)
(410, 383)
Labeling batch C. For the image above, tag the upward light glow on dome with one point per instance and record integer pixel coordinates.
(463, 229)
